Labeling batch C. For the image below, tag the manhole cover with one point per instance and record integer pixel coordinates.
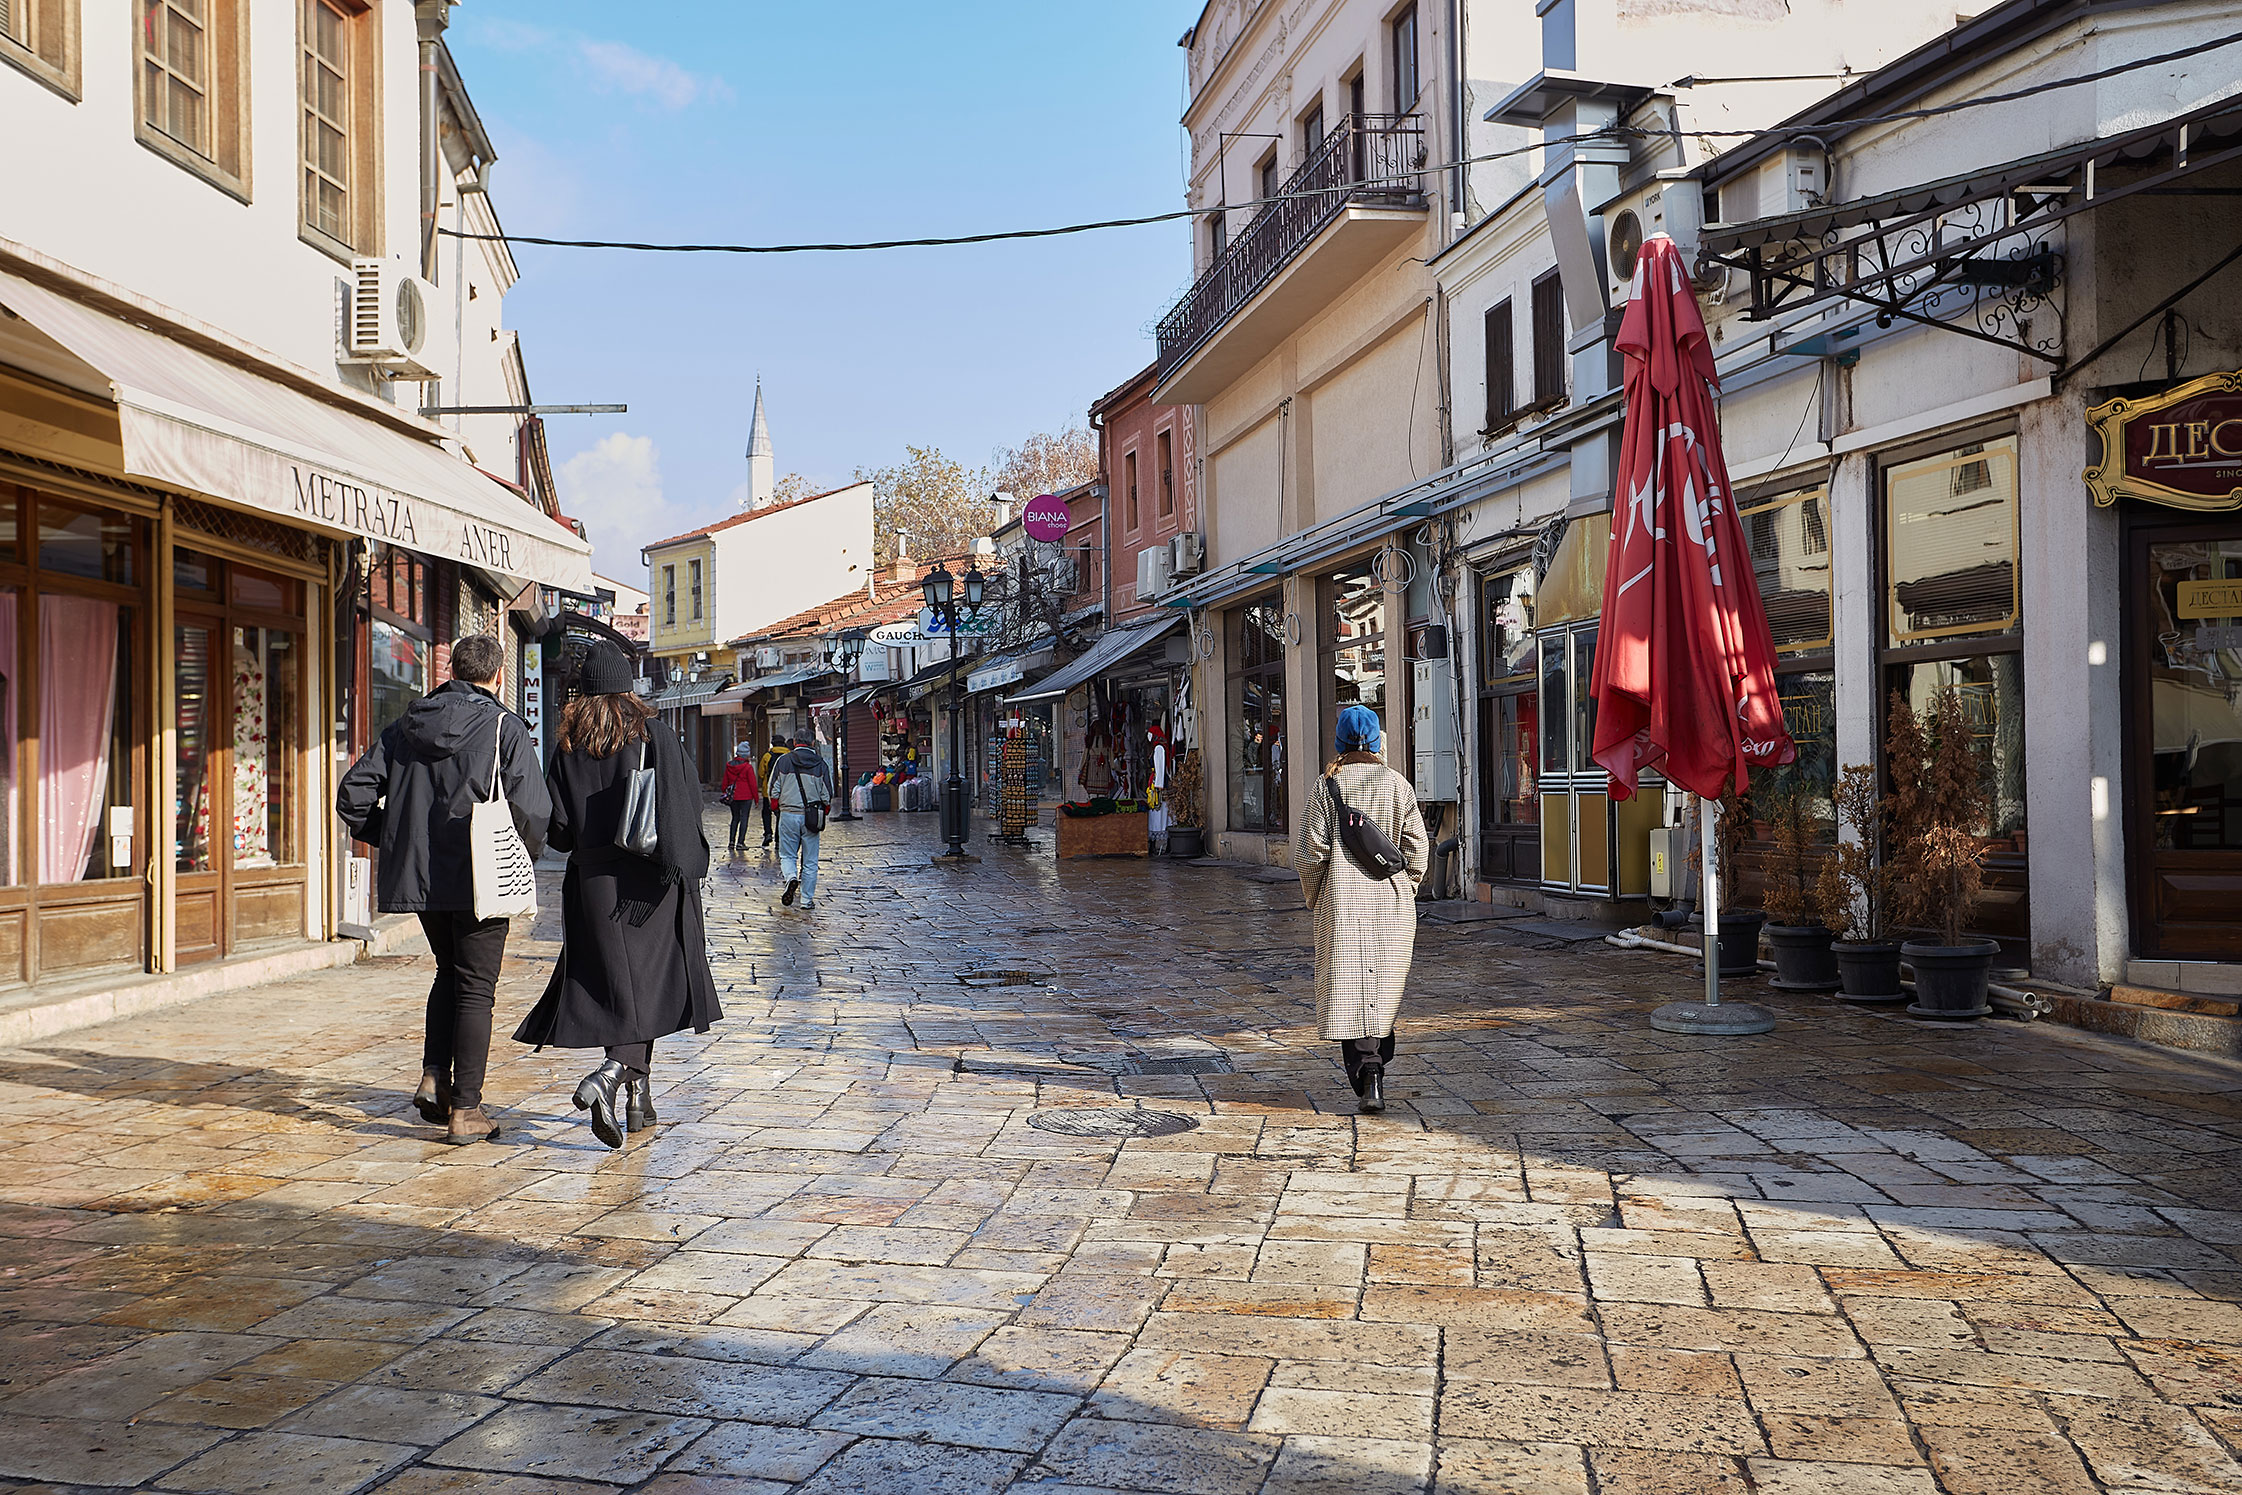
(1112, 1121)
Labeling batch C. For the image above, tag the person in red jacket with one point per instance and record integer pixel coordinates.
(742, 791)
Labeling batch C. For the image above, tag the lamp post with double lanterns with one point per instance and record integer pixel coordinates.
(842, 651)
(941, 590)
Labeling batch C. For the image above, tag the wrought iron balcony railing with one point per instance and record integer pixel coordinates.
(1373, 159)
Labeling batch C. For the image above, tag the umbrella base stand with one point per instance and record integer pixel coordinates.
(1728, 1019)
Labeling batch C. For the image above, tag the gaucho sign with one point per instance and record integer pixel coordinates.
(2181, 448)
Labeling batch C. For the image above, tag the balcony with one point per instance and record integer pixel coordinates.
(1351, 203)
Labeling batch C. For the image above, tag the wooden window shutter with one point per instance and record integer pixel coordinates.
(1502, 365)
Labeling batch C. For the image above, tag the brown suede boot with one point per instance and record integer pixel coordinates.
(470, 1126)
(434, 1097)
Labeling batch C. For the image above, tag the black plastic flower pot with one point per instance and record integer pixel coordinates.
(1186, 841)
(1739, 944)
(1803, 961)
(1868, 970)
(1950, 980)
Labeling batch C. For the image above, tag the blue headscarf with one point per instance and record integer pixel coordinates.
(1359, 730)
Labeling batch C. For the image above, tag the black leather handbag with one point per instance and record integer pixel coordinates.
(1373, 851)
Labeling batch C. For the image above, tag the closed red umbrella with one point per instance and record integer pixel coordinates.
(1685, 665)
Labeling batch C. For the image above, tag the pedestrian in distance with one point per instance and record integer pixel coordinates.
(1362, 897)
(778, 749)
(633, 964)
(803, 786)
(742, 790)
(411, 795)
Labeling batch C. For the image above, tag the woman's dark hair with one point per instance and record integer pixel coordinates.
(602, 725)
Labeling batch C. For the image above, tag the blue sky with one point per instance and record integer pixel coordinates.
(753, 122)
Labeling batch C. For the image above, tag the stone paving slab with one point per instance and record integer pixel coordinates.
(1858, 1256)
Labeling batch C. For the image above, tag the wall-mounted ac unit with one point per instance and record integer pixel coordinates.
(1671, 204)
(767, 659)
(392, 317)
(1154, 569)
(1190, 554)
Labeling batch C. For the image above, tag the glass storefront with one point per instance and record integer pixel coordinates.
(1257, 719)
(1954, 618)
(1509, 730)
(1354, 649)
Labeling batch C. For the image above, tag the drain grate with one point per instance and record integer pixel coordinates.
(1112, 1121)
(1003, 978)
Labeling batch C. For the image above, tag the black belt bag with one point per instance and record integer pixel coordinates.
(1371, 848)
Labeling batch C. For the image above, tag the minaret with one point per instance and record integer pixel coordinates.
(762, 482)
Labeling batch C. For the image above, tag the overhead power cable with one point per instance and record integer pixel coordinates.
(1606, 132)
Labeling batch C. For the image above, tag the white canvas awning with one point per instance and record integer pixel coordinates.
(193, 421)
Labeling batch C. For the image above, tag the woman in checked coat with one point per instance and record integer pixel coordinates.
(1366, 925)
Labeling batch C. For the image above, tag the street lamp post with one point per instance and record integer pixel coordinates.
(844, 650)
(941, 600)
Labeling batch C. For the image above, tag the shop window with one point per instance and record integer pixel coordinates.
(1354, 654)
(1789, 543)
(1509, 730)
(402, 640)
(1257, 719)
(86, 543)
(11, 676)
(192, 83)
(85, 734)
(1954, 618)
(41, 37)
(1950, 544)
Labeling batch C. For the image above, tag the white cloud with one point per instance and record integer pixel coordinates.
(505, 35)
(615, 488)
(625, 69)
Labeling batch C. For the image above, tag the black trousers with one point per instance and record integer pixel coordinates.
(767, 817)
(456, 1043)
(638, 1058)
(1359, 1052)
(741, 809)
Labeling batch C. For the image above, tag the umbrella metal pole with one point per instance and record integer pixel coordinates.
(1708, 816)
(1711, 1016)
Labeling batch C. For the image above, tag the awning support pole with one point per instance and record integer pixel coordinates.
(1708, 836)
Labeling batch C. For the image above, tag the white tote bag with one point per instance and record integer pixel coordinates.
(505, 877)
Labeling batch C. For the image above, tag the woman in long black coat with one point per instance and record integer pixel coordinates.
(634, 951)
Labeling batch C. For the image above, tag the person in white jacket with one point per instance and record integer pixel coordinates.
(799, 781)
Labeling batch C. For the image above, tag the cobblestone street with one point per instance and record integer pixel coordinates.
(1861, 1256)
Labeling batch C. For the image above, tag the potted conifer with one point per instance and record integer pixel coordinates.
(1855, 891)
(1796, 933)
(1942, 860)
(1186, 833)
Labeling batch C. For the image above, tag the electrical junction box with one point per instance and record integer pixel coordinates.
(1662, 840)
(1433, 730)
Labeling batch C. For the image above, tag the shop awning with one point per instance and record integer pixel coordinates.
(1108, 651)
(782, 679)
(191, 420)
(689, 693)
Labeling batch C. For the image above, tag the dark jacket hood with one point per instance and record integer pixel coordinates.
(448, 718)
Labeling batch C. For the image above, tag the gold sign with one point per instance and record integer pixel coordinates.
(2210, 599)
(2181, 448)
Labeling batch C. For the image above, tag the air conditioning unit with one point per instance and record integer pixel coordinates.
(392, 316)
(767, 659)
(1671, 204)
(1190, 554)
(1154, 569)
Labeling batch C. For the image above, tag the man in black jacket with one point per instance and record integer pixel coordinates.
(411, 795)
